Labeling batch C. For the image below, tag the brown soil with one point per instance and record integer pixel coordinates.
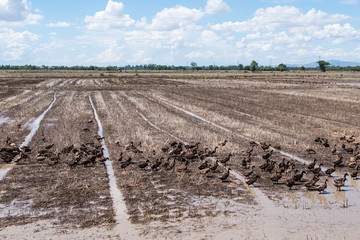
(288, 110)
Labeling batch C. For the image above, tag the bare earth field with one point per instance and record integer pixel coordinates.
(68, 170)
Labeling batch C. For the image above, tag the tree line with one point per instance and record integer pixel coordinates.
(253, 66)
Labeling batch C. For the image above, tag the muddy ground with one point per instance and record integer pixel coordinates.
(69, 196)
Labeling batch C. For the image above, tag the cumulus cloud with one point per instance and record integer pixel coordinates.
(15, 44)
(112, 17)
(338, 33)
(15, 12)
(281, 17)
(177, 17)
(59, 24)
(216, 6)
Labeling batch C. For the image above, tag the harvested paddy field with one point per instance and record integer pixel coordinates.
(179, 155)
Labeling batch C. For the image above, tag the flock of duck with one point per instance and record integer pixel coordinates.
(287, 172)
(87, 154)
(177, 156)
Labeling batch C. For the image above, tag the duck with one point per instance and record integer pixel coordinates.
(265, 146)
(299, 176)
(222, 144)
(144, 164)
(282, 164)
(270, 167)
(312, 165)
(250, 149)
(338, 161)
(166, 163)
(196, 145)
(183, 167)
(355, 173)
(165, 149)
(330, 170)
(322, 187)
(338, 185)
(214, 165)
(209, 154)
(317, 170)
(311, 183)
(126, 163)
(265, 165)
(252, 180)
(48, 147)
(129, 146)
(120, 157)
(310, 151)
(352, 164)
(205, 170)
(326, 143)
(204, 165)
(268, 155)
(225, 160)
(339, 180)
(290, 183)
(244, 163)
(277, 176)
(225, 175)
(249, 172)
(156, 164)
(171, 165)
(333, 150)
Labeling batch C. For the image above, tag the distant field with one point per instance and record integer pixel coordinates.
(64, 190)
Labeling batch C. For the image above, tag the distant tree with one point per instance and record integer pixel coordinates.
(241, 67)
(193, 65)
(323, 65)
(302, 68)
(254, 65)
(247, 68)
(282, 67)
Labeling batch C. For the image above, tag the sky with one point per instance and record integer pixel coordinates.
(178, 32)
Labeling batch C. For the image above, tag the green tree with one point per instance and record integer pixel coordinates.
(254, 65)
(282, 67)
(241, 67)
(302, 68)
(193, 65)
(323, 65)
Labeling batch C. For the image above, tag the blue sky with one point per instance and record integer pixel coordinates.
(177, 32)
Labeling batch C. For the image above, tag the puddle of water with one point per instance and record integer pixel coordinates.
(5, 169)
(124, 226)
(36, 124)
(242, 113)
(4, 120)
(349, 84)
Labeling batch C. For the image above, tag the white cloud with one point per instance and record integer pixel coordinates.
(339, 34)
(59, 24)
(216, 6)
(112, 17)
(281, 17)
(198, 54)
(15, 44)
(173, 18)
(17, 12)
(14, 10)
